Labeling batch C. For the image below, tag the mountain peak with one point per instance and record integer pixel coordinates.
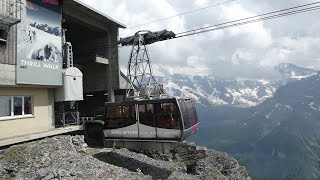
(291, 71)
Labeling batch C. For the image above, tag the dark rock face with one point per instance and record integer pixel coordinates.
(67, 157)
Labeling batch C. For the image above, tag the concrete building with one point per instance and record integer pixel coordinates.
(36, 66)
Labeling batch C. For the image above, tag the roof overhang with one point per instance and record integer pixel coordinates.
(94, 13)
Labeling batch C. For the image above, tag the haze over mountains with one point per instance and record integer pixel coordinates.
(211, 91)
(270, 126)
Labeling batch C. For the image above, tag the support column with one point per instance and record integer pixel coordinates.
(110, 88)
(51, 116)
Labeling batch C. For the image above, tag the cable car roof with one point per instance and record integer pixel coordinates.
(136, 101)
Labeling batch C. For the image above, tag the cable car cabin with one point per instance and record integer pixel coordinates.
(157, 124)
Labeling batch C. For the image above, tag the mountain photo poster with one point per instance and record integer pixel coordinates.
(39, 44)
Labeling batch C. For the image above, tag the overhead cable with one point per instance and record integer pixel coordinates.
(184, 13)
(252, 17)
(248, 20)
(228, 25)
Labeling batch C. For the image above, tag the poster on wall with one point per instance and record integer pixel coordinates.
(39, 44)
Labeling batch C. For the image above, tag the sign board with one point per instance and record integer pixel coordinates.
(101, 60)
(39, 44)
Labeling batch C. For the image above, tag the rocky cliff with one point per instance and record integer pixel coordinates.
(68, 157)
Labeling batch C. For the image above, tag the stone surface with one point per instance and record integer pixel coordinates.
(68, 157)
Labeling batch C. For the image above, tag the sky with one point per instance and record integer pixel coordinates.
(244, 52)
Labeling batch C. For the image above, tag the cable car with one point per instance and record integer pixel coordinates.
(153, 124)
(148, 118)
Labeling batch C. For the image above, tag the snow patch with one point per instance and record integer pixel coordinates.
(311, 105)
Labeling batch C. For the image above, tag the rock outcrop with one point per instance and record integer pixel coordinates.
(68, 157)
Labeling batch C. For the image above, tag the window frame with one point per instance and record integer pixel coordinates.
(176, 119)
(23, 115)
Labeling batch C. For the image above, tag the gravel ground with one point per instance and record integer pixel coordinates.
(68, 157)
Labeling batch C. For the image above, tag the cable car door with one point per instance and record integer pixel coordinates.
(168, 119)
(147, 129)
(130, 123)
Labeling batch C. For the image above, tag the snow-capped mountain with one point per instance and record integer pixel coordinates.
(210, 91)
(47, 28)
(293, 72)
(277, 139)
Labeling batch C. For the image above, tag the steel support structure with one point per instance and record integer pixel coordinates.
(142, 83)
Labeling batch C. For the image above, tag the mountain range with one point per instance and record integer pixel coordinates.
(269, 126)
(210, 91)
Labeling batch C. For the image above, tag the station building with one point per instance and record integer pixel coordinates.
(58, 65)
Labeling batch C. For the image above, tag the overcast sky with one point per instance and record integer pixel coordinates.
(246, 52)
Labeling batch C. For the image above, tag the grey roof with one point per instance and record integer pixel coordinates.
(99, 13)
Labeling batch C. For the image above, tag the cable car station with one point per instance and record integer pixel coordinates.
(37, 100)
(59, 73)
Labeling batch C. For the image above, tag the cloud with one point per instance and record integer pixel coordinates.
(248, 51)
(257, 33)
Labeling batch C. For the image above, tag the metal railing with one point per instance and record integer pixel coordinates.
(10, 12)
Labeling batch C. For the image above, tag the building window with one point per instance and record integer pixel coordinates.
(3, 35)
(11, 106)
(5, 106)
(27, 105)
(17, 106)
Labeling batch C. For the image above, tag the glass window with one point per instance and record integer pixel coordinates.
(185, 114)
(146, 114)
(189, 113)
(17, 105)
(194, 113)
(5, 106)
(27, 105)
(128, 115)
(114, 117)
(118, 116)
(167, 116)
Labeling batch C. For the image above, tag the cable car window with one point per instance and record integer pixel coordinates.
(194, 114)
(189, 113)
(114, 117)
(129, 115)
(185, 114)
(167, 116)
(146, 114)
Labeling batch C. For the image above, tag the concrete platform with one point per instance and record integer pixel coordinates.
(28, 137)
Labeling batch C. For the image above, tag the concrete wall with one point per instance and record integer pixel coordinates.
(8, 49)
(114, 58)
(112, 33)
(37, 123)
(7, 74)
(51, 117)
